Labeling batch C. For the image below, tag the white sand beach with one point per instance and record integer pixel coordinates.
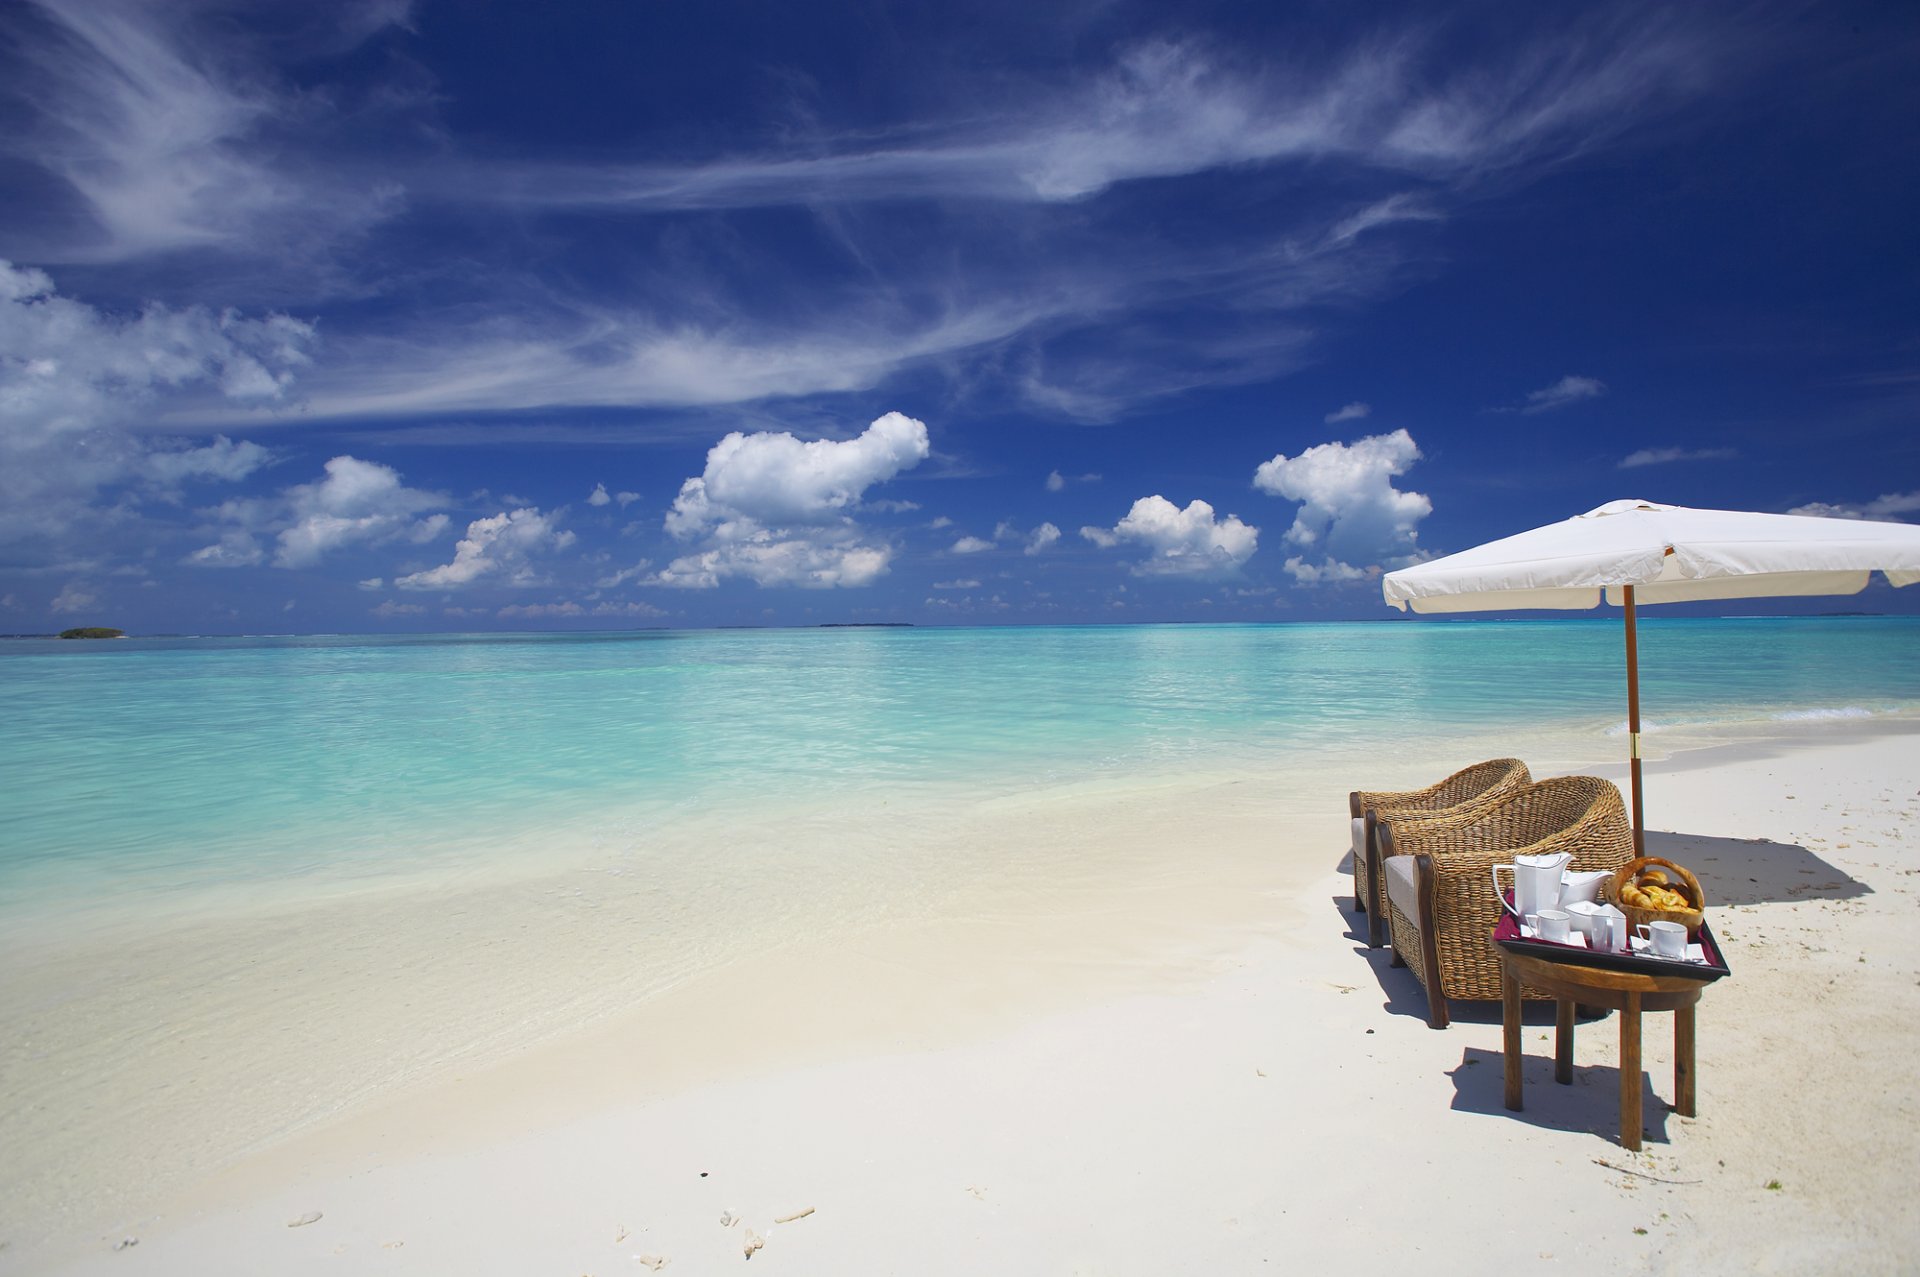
(1190, 1064)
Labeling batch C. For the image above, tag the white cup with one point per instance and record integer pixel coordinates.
(1666, 939)
(1554, 925)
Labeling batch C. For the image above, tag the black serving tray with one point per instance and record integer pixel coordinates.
(1507, 936)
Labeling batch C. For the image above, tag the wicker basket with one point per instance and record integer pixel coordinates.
(1679, 877)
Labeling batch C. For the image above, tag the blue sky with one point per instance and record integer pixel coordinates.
(429, 316)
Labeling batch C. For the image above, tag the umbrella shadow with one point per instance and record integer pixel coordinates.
(1743, 871)
(1590, 1105)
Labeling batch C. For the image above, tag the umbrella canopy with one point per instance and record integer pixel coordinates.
(1630, 552)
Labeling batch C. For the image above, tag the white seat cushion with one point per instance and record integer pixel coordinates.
(1360, 842)
(1402, 889)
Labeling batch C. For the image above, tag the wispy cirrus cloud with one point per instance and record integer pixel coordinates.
(171, 134)
(1562, 393)
(1669, 456)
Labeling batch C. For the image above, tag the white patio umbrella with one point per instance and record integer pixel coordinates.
(1630, 552)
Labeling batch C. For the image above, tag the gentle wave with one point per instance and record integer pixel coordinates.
(1817, 715)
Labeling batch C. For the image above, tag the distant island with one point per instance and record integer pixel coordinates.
(93, 631)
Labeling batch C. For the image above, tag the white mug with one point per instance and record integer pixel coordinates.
(1554, 925)
(1667, 939)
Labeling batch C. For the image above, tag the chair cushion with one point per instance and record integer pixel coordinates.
(1360, 842)
(1402, 889)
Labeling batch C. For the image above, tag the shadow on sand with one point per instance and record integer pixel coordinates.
(1742, 871)
(1590, 1105)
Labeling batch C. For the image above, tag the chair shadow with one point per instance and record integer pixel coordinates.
(1589, 1106)
(1401, 988)
(1741, 871)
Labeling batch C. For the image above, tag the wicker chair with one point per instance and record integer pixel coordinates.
(1461, 795)
(1439, 884)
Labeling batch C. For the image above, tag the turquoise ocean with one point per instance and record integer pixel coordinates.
(168, 766)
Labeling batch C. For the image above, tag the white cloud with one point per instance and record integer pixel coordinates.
(1886, 507)
(499, 547)
(531, 610)
(610, 608)
(393, 607)
(777, 511)
(172, 140)
(1667, 456)
(1352, 412)
(1187, 542)
(962, 583)
(221, 459)
(626, 498)
(74, 598)
(773, 478)
(1055, 481)
(79, 385)
(1350, 512)
(236, 548)
(1567, 390)
(971, 545)
(599, 495)
(357, 502)
(1042, 537)
(1328, 572)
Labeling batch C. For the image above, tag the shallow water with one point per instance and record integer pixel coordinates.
(170, 767)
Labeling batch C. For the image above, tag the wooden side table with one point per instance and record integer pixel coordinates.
(1627, 992)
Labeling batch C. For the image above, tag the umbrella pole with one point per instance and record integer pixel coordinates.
(1633, 725)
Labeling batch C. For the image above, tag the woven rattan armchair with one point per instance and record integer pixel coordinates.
(1439, 882)
(1461, 796)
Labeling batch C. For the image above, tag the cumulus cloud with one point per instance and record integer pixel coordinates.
(1667, 456)
(76, 382)
(1189, 542)
(971, 545)
(1350, 512)
(236, 548)
(1888, 506)
(1055, 481)
(393, 607)
(497, 548)
(599, 495)
(1567, 390)
(1352, 412)
(778, 511)
(1318, 574)
(626, 498)
(357, 502)
(961, 583)
(1042, 537)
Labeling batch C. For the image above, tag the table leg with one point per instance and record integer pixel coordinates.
(1510, 1029)
(1683, 1096)
(1563, 1041)
(1630, 1074)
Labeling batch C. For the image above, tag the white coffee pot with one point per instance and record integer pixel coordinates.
(1536, 882)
